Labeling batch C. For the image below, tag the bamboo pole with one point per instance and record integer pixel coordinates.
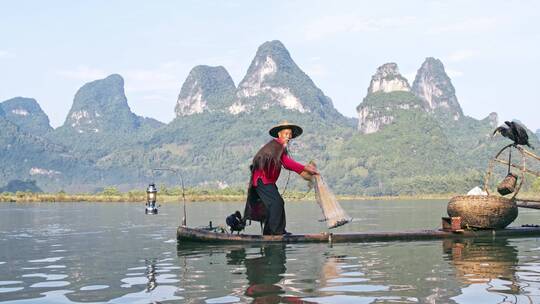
(531, 204)
(529, 153)
(517, 167)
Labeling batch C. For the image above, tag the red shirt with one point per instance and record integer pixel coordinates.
(272, 176)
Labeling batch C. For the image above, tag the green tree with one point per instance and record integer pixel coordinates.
(110, 191)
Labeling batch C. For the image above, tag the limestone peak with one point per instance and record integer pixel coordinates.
(388, 79)
(435, 88)
(274, 80)
(206, 88)
(27, 115)
(101, 105)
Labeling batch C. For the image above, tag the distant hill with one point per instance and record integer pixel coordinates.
(26, 156)
(100, 121)
(207, 89)
(27, 115)
(435, 88)
(405, 140)
(20, 185)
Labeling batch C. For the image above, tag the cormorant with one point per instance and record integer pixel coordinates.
(514, 132)
(235, 222)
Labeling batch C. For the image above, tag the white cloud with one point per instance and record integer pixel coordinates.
(461, 55)
(83, 72)
(473, 25)
(332, 25)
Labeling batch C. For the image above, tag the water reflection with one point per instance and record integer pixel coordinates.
(486, 267)
(481, 261)
(264, 273)
(151, 274)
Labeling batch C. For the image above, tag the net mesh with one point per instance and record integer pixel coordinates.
(333, 214)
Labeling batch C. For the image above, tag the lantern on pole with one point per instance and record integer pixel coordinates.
(151, 198)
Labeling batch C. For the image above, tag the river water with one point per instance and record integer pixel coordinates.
(114, 253)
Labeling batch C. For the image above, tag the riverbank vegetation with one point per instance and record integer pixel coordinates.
(168, 195)
(196, 196)
(175, 194)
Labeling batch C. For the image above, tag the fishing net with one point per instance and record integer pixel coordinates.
(333, 214)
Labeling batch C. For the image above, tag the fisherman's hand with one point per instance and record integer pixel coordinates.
(311, 169)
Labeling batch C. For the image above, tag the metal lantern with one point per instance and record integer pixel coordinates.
(151, 197)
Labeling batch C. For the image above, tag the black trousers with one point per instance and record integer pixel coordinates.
(275, 208)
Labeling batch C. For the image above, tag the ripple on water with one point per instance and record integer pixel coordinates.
(55, 266)
(160, 279)
(55, 296)
(3, 283)
(355, 288)
(166, 278)
(46, 260)
(159, 294)
(2, 263)
(21, 235)
(347, 280)
(94, 287)
(10, 289)
(48, 277)
(341, 299)
(353, 274)
(170, 267)
(50, 284)
(223, 300)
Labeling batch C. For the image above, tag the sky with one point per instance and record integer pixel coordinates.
(490, 49)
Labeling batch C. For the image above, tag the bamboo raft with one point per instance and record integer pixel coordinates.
(186, 234)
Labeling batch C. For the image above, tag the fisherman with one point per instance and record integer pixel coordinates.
(264, 203)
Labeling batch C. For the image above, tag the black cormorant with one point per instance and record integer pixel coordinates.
(514, 132)
(235, 222)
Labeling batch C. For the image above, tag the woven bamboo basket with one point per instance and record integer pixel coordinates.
(483, 211)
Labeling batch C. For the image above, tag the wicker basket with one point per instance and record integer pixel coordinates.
(508, 184)
(483, 211)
